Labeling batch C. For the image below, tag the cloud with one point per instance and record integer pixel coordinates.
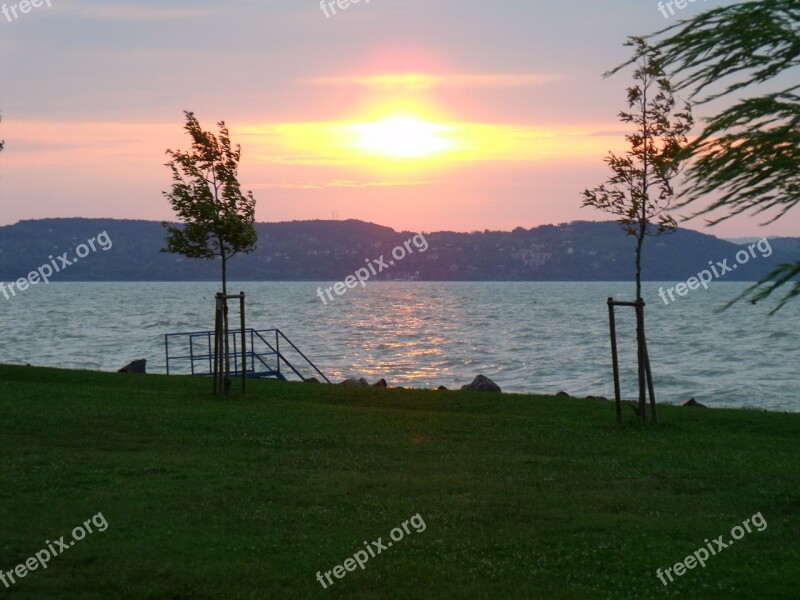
(423, 81)
(133, 12)
(341, 183)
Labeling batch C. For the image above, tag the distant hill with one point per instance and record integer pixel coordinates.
(782, 244)
(331, 250)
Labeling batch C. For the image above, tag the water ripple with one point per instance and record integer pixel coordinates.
(529, 337)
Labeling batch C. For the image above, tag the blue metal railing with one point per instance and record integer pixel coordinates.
(263, 360)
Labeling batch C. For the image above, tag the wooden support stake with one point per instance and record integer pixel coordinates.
(218, 345)
(640, 362)
(244, 343)
(614, 358)
(650, 384)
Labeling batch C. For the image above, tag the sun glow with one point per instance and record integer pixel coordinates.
(407, 139)
(400, 137)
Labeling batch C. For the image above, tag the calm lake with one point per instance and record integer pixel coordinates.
(528, 337)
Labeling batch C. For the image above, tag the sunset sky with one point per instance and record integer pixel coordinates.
(429, 115)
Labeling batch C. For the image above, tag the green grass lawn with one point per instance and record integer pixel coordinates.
(521, 496)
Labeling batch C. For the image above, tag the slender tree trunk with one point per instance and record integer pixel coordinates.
(640, 335)
(224, 274)
(639, 245)
(643, 199)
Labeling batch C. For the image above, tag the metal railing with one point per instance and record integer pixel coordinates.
(263, 359)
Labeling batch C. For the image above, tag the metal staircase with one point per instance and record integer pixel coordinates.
(192, 353)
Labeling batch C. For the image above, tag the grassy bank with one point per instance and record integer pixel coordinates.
(521, 496)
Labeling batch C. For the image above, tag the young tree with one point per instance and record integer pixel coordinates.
(639, 190)
(217, 219)
(748, 154)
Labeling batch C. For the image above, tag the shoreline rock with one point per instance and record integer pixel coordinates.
(482, 384)
(694, 403)
(135, 366)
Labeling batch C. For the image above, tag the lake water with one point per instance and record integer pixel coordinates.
(528, 337)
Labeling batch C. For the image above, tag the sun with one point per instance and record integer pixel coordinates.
(401, 137)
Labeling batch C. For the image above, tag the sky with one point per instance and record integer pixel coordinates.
(422, 116)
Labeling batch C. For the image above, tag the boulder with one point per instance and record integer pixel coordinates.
(354, 381)
(693, 402)
(380, 383)
(442, 388)
(482, 384)
(311, 380)
(564, 394)
(136, 366)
